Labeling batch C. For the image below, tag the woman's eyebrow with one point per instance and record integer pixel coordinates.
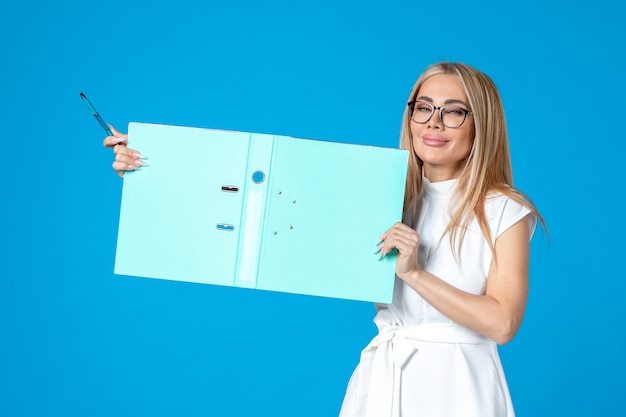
(448, 101)
(452, 101)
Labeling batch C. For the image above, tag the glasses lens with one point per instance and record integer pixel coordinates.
(453, 116)
(422, 111)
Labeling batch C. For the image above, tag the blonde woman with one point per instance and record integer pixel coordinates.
(462, 260)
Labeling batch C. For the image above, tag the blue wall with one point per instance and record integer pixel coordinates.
(76, 340)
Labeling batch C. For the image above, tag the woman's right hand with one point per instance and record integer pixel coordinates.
(126, 159)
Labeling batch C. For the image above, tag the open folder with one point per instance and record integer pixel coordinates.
(260, 211)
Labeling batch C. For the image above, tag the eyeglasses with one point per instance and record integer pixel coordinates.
(451, 116)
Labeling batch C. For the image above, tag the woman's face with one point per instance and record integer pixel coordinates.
(442, 149)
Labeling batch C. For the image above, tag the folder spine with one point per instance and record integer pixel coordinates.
(255, 196)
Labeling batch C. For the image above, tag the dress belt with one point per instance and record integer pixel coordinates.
(378, 390)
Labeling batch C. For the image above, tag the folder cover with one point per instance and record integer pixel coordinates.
(260, 211)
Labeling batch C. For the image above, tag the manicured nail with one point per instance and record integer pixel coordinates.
(139, 163)
(139, 156)
(117, 141)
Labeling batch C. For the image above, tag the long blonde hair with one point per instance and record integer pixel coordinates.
(486, 169)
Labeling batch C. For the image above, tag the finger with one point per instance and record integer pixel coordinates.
(388, 232)
(383, 245)
(121, 166)
(112, 141)
(398, 227)
(129, 158)
(124, 151)
(387, 246)
(127, 164)
(116, 139)
(405, 247)
(402, 230)
(404, 241)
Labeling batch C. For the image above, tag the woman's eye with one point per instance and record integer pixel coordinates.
(423, 108)
(457, 111)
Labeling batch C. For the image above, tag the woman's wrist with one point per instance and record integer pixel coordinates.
(413, 277)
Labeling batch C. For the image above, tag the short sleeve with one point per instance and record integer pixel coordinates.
(503, 212)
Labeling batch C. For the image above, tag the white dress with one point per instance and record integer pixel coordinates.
(421, 363)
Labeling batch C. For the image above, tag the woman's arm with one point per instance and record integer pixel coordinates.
(497, 314)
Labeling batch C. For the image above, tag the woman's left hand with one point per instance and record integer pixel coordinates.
(406, 240)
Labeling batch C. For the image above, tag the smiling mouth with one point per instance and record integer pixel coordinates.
(434, 141)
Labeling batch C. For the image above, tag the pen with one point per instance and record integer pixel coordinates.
(93, 111)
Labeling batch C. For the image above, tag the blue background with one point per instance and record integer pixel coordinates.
(76, 340)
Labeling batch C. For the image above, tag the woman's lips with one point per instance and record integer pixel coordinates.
(434, 140)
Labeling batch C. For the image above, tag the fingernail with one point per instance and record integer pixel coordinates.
(139, 163)
(139, 156)
(118, 140)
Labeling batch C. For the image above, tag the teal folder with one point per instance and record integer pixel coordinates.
(260, 211)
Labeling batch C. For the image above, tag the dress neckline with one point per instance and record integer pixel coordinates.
(439, 189)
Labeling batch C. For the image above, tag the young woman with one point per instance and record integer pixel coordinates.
(462, 266)
(462, 263)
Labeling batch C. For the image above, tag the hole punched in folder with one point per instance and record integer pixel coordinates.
(230, 188)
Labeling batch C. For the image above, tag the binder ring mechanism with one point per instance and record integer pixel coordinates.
(258, 177)
(225, 226)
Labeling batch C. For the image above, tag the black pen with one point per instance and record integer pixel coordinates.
(93, 111)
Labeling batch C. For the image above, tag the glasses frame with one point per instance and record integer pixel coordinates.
(411, 105)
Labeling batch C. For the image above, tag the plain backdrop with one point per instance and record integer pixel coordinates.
(77, 340)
